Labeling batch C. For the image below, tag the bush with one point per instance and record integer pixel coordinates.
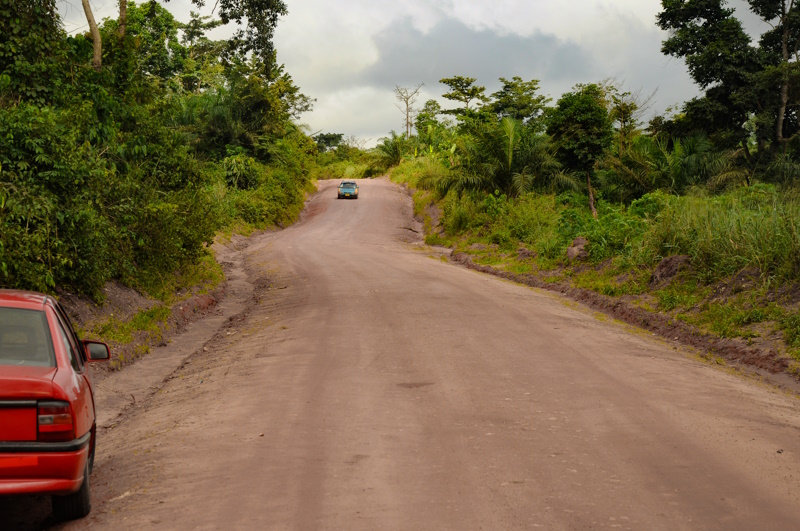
(241, 171)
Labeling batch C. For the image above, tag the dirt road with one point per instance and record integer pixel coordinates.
(375, 386)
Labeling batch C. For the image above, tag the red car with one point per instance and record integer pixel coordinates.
(47, 416)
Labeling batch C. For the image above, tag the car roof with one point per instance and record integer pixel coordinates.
(14, 298)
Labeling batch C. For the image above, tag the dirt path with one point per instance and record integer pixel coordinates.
(373, 386)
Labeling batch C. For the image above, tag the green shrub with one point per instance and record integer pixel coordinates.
(241, 171)
(649, 205)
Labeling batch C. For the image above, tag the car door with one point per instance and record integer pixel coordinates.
(75, 378)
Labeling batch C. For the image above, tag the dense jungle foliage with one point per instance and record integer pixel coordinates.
(128, 170)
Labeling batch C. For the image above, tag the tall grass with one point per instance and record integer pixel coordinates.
(757, 227)
(751, 227)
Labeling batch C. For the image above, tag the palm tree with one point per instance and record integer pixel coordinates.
(650, 164)
(390, 150)
(509, 157)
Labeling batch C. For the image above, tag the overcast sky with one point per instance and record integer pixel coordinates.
(350, 54)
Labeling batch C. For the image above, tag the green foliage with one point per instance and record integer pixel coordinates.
(33, 52)
(149, 321)
(152, 32)
(241, 171)
(753, 227)
(745, 83)
(791, 329)
(519, 100)
(463, 90)
(326, 141)
(256, 19)
(391, 149)
(128, 173)
(582, 128)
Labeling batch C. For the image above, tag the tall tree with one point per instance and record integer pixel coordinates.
(519, 100)
(97, 56)
(123, 17)
(158, 50)
(427, 116)
(784, 17)
(260, 18)
(463, 90)
(582, 129)
(407, 97)
(328, 141)
(743, 82)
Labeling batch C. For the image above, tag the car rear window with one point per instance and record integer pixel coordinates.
(25, 338)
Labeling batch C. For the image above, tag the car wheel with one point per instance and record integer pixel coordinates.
(75, 505)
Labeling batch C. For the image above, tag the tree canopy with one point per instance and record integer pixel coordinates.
(751, 88)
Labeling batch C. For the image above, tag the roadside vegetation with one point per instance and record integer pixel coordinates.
(125, 150)
(694, 214)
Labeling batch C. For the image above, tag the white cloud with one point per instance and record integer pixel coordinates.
(576, 20)
(365, 112)
(350, 54)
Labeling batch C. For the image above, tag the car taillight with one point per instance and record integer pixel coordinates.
(55, 422)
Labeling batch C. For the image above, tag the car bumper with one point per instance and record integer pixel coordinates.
(348, 196)
(43, 468)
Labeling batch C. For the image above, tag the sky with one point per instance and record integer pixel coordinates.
(351, 54)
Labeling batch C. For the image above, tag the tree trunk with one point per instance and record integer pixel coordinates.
(123, 17)
(591, 194)
(786, 66)
(97, 59)
(747, 155)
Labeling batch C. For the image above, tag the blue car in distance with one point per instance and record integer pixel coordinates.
(347, 190)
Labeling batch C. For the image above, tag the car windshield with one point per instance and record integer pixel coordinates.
(347, 185)
(25, 338)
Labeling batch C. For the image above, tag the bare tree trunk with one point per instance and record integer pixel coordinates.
(97, 59)
(123, 17)
(785, 75)
(749, 159)
(407, 97)
(591, 194)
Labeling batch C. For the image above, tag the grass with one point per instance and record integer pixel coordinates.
(149, 321)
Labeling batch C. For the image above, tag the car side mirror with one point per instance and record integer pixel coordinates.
(96, 350)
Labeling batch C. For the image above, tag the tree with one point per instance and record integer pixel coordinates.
(260, 20)
(744, 82)
(462, 90)
(158, 50)
(784, 16)
(123, 18)
(519, 100)
(326, 141)
(427, 116)
(581, 127)
(626, 113)
(97, 57)
(33, 51)
(390, 149)
(407, 97)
